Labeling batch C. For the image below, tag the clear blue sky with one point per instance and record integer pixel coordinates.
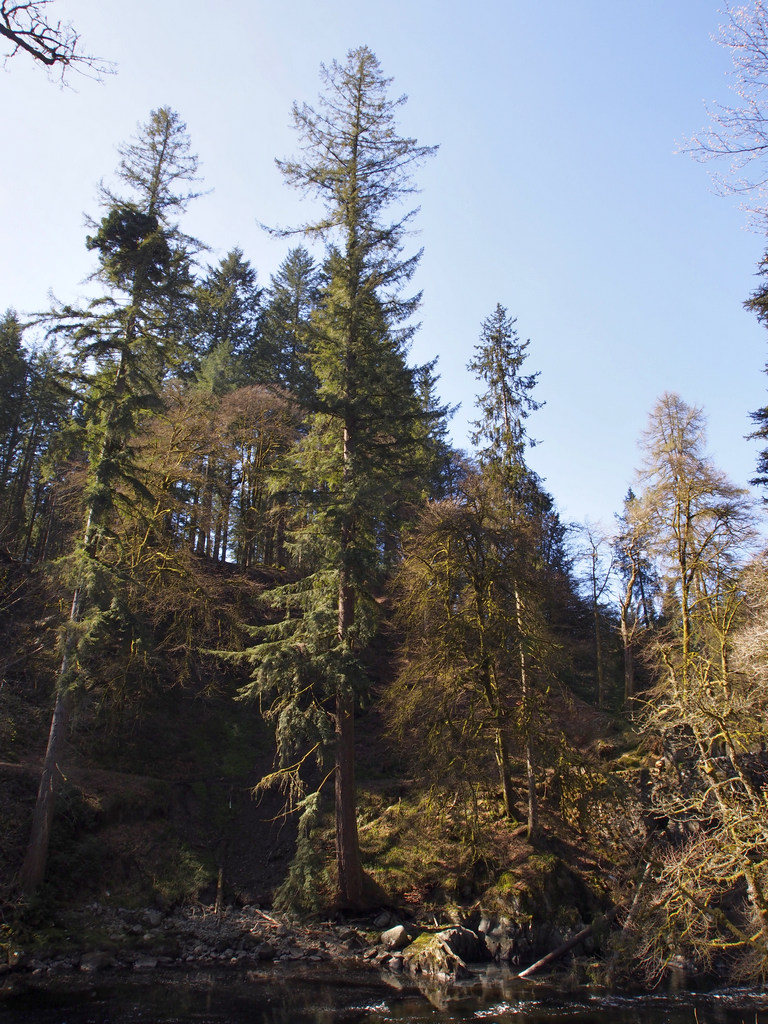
(557, 191)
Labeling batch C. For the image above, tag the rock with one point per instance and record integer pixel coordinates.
(145, 963)
(384, 920)
(445, 954)
(92, 962)
(486, 925)
(395, 938)
(153, 917)
(466, 944)
(57, 967)
(431, 954)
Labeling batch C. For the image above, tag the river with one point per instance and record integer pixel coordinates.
(293, 995)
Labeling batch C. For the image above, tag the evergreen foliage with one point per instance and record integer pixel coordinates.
(360, 436)
(227, 321)
(254, 492)
(125, 341)
(36, 404)
(292, 298)
(508, 399)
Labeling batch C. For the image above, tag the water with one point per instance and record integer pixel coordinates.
(285, 995)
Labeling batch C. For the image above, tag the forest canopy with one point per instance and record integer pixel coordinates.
(213, 483)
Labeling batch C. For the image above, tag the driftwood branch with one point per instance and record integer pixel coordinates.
(550, 958)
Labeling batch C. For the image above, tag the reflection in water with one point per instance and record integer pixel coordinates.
(336, 995)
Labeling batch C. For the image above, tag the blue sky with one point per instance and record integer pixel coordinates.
(557, 191)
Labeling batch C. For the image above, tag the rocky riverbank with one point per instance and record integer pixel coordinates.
(101, 938)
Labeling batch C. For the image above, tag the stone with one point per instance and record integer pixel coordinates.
(395, 938)
(431, 955)
(145, 963)
(92, 962)
(466, 944)
(445, 954)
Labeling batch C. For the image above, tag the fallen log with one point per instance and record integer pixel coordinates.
(550, 958)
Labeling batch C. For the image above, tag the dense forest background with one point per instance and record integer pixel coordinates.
(244, 572)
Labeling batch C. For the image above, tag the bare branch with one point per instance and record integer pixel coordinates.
(56, 44)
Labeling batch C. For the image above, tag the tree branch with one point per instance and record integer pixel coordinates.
(27, 28)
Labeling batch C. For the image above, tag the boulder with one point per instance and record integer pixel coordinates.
(98, 961)
(466, 944)
(145, 963)
(445, 954)
(395, 938)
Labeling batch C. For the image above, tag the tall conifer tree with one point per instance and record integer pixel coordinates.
(126, 339)
(504, 406)
(365, 405)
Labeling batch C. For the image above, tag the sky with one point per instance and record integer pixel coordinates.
(559, 190)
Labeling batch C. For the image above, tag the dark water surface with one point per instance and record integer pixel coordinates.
(289, 995)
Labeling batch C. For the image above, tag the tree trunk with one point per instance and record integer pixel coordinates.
(347, 847)
(525, 685)
(628, 632)
(629, 659)
(598, 649)
(33, 869)
(533, 803)
(502, 762)
(31, 523)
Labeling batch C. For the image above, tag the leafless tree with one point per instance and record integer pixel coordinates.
(27, 28)
(707, 899)
(739, 132)
(594, 551)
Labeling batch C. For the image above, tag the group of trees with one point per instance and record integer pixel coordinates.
(189, 417)
(688, 537)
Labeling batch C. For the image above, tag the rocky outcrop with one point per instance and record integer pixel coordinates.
(446, 954)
